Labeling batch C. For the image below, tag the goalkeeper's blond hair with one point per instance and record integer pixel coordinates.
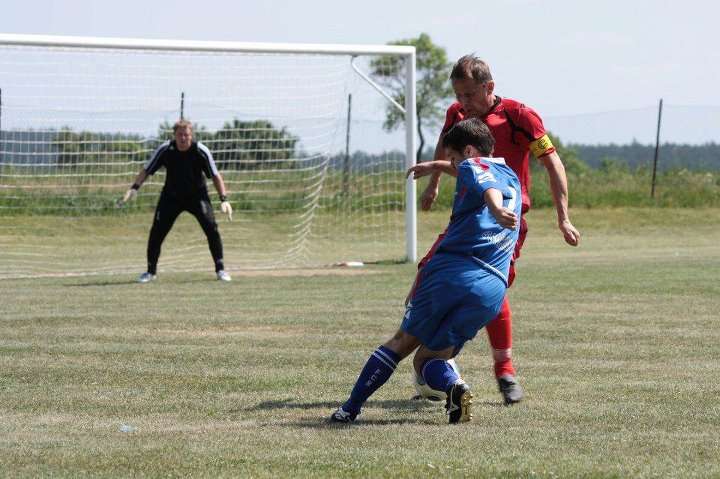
(183, 124)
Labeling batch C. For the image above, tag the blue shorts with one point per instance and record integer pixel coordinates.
(454, 299)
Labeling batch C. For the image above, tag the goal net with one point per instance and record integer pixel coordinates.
(299, 133)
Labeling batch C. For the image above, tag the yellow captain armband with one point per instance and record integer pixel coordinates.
(541, 146)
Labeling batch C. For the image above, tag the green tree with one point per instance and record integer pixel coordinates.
(78, 148)
(569, 156)
(432, 84)
(245, 145)
(73, 147)
(242, 145)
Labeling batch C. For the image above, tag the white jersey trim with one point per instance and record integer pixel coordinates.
(204, 150)
(161, 149)
(498, 161)
(492, 269)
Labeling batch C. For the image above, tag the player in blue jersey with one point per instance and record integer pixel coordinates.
(462, 287)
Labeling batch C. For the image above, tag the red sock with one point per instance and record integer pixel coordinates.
(499, 333)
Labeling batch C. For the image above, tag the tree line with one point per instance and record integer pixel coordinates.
(238, 145)
(246, 145)
(705, 157)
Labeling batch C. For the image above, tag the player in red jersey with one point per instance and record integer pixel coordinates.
(518, 130)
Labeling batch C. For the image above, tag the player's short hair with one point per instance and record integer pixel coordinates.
(471, 67)
(182, 124)
(472, 131)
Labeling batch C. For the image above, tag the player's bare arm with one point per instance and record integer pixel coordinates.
(429, 167)
(141, 177)
(430, 193)
(219, 185)
(504, 216)
(558, 185)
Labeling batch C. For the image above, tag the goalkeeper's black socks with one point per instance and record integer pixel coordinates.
(219, 265)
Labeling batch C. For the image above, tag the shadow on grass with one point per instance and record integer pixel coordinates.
(100, 283)
(117, 282)
(403, 406)
(406, 407)
(325, 423)
(400, 404)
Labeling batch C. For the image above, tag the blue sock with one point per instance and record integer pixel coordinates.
(377, 371)
(438, 374)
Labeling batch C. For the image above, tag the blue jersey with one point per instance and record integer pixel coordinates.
(461, 289)
(473, 231)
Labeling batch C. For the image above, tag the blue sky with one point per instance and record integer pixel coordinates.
(570, 60)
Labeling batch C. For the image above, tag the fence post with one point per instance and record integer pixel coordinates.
(657, 148)
(2, 145)
(346, 168)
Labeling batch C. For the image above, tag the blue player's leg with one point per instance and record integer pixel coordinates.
(438, 374)
(441, 376)
(378, 369)
(480, 296)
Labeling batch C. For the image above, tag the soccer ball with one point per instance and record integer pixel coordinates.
(425, 391)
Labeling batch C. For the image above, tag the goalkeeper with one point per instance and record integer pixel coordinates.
(187, 163)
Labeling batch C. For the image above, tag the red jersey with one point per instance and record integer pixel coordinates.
(517, 130)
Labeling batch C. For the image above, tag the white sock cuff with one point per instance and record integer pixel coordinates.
(501, 355)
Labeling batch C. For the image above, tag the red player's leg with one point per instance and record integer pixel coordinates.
(500, 335)
(499, 332)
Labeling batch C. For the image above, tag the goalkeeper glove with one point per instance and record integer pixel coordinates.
(225, 207)
(130, 194)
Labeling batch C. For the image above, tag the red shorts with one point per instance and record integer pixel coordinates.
(518, 246)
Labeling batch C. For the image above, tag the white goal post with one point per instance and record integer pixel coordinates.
(299, 132)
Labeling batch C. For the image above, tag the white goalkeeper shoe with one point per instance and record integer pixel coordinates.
(223, 275)
(146, 278)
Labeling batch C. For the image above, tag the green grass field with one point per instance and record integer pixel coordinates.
(616, 344)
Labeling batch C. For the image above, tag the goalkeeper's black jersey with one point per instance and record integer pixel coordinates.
(186, 170)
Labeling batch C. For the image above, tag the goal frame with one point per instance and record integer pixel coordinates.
(406, 51)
